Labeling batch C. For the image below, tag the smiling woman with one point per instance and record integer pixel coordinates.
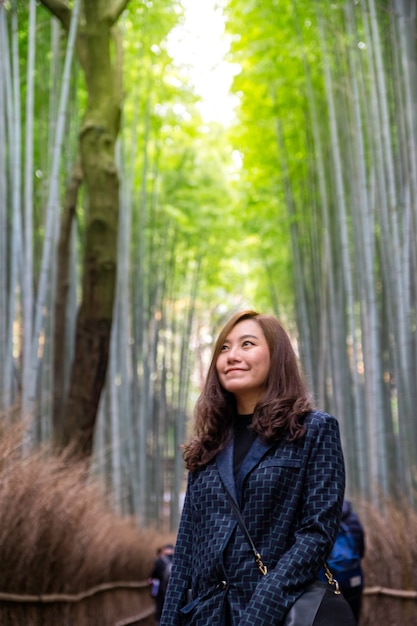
(259, 444)
(199, 46)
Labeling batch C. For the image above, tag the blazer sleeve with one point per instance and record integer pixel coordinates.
(318, 521)
(180, 578)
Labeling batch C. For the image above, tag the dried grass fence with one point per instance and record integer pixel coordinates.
(66, 559)
(390, 565)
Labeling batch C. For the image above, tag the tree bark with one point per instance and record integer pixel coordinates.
(61, 296)
(75, 428)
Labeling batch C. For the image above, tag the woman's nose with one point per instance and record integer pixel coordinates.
(233, 353)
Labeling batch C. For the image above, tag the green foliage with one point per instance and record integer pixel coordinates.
(255, 213)
(272, 96)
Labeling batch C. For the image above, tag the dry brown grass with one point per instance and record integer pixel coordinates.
(59, 535)
(390, 562)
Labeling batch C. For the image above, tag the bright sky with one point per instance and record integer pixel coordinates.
(201, 45)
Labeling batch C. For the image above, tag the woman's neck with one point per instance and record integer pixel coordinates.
(246, 406)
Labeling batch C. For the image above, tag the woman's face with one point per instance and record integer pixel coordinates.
(243, 364)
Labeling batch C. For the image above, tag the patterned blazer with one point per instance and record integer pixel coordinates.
(291, 496)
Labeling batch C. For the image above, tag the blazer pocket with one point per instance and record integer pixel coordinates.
(281, 462)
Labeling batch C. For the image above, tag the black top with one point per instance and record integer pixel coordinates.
(243, 439)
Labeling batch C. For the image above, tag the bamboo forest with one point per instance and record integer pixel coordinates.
(132, 226)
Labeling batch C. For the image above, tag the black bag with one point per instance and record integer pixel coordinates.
(320, 604)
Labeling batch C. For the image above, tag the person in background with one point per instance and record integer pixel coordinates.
(354, 592)
(159, 577)
(258, 440)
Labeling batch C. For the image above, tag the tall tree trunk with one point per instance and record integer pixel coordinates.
(62, 290)
(97, 154)
(46, 274)
(28, 206)
(12, 84)
(6, 127)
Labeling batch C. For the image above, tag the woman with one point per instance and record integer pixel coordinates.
(258, 438)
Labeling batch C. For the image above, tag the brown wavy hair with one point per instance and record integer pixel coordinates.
(278, 413)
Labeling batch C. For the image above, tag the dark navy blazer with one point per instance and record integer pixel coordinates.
(291, 496)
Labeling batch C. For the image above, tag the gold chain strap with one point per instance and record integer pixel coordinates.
(331, 580)
(261, 566)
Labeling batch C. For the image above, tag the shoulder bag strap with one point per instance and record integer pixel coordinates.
(261, 566)
(258, 559)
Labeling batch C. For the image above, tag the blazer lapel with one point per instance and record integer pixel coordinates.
(255, 454)
(224, 461)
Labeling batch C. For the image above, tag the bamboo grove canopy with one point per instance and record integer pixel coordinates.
(130, 227)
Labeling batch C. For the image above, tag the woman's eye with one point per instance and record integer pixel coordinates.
(223, 348)
(248, 343)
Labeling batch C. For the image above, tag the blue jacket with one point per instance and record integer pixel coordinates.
(352, 521)
(291, 496)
